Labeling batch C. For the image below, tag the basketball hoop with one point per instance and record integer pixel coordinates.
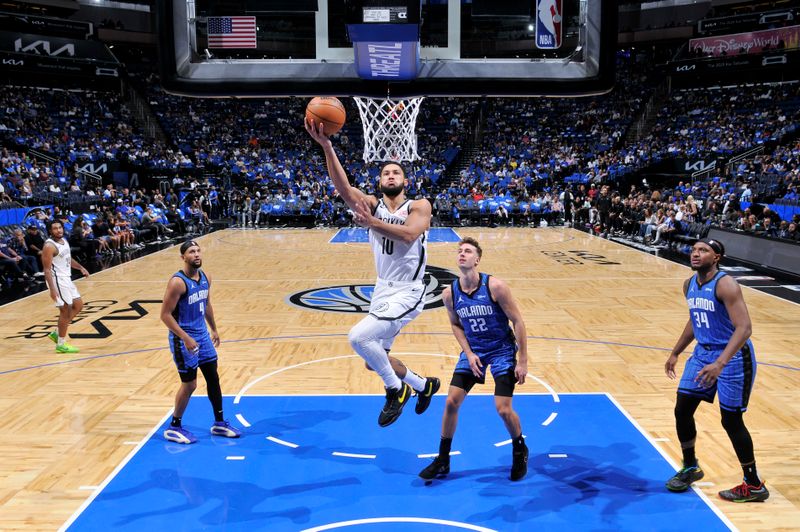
(389, 128)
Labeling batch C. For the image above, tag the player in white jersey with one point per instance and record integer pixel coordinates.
(398, 231)
(58, 265)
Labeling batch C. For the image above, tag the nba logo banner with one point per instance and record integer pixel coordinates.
(548, 24)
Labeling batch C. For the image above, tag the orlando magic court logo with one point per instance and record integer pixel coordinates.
(548, 24)
(356, 297)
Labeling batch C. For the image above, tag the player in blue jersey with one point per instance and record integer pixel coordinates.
(723, 363)
(185, 311)
(480, 307)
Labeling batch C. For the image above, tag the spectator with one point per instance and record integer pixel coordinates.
(35, 242)
(501, 214)
(767, 228)
(102, 232)
(792, 233)
(81, 237)
(12, 263)
(150, 221)
(175, 220)
(20, 248)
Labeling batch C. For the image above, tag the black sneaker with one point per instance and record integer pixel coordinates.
(684, 478)
(432, 385)
(745, 493)
(519, 465)
(440, 467)
(395, 401)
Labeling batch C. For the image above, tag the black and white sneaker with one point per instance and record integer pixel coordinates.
(432, 385)
(440, 467)
(684, 478)
(395, 401)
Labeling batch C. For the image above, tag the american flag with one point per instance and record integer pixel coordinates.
(232, 32)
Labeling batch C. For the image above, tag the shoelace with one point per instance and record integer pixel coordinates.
(743, 489)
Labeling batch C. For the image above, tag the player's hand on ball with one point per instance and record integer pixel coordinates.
(317, 131)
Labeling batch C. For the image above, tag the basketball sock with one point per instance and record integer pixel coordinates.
(414, 380)
(444, 447)
(742, 444)
(209, 370)
(685, 407)
(751, 475)
(176, 422)
(689, 459)
(62, 340)
(518, 443)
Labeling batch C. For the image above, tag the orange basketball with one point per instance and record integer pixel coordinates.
(329, 111)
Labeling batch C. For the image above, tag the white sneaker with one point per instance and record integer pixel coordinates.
(179, 435)
(223, 428)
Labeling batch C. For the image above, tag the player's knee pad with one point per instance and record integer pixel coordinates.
(685, 406)
(732, 422)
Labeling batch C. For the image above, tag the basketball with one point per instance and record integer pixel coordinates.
(329, 111)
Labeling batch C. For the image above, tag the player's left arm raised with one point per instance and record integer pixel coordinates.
(418, 221)
(730, 293)
(502, 294)
(212, 324)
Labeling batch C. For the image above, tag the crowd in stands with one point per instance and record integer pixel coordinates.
(79, 126)
(539, 161)
(120, 223)
(657, 216)
(555, 139)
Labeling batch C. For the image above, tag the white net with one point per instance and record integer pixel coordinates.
(389, 128)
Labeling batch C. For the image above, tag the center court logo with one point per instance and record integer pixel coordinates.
(356, 297)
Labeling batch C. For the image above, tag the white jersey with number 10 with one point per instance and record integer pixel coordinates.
(396, 260)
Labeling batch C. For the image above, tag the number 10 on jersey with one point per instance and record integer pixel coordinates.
(387, 246)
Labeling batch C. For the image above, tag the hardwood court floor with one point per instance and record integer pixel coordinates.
(601, 318)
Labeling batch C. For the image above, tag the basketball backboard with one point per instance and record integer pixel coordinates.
(454, 47)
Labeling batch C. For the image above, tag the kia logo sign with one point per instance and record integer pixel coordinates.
(699, 166)
(43, 48)
(684, 68)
